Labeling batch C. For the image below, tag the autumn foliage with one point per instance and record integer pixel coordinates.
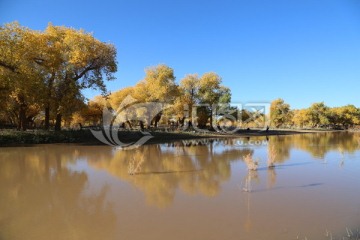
(318, 115)
(43, 72)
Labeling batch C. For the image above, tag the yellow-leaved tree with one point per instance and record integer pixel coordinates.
(76, 60)
(20, 81)
(211, 92)
(188, 97)
(280, 113)
(50, 68)
(158, 86)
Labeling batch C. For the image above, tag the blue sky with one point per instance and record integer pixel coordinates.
(303, 51)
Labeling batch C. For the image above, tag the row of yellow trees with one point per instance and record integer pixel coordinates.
(45, 71)
(316, 116)
(42, 74)
(159, 87)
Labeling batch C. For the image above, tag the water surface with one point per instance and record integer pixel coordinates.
(194, 189)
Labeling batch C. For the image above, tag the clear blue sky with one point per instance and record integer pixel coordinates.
(303, 51)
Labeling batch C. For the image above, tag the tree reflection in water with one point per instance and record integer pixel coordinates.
(41, 198)
(192, 166)
(40, 191)
(317, 144)
(201, 166)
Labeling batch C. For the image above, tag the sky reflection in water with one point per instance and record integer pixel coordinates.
(183, 190)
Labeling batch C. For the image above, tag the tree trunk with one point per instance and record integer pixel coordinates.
(22, 114)
(47, 106)
(141, 125)
(47, 117)
(22, 118)
(157, 119)
(129, 124)
(58, 122)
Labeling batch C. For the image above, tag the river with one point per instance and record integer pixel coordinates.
(192, 189)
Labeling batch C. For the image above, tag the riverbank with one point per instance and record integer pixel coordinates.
(24, 138)
(32, 137)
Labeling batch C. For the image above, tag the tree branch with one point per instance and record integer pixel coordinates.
(89, 68)
(7, 66)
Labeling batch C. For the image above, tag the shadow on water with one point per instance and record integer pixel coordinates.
(168, 172)
(284, 166)
(288, 187)
(311, 185)
(294, 164)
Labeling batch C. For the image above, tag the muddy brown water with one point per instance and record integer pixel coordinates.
(193, 189)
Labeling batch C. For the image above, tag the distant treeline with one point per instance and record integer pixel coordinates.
(318, 115)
